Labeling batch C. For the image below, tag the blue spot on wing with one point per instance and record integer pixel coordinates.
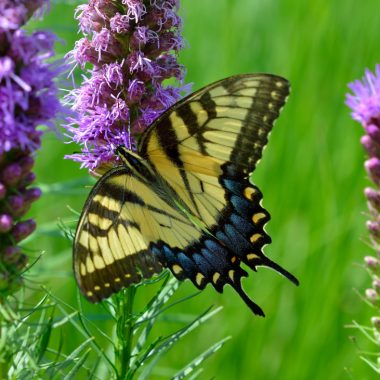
(240, 244)
(204, 266)
(244, 226)
(219, 263)
(216, 249)
(242, 206)
(234, 186)
(187, 264)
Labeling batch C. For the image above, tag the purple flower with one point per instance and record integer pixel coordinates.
(15, 13)
(28, 98)
(131, 46)
(365, 104)
(365, 101)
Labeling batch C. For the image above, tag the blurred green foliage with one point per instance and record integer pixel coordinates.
(311, 175)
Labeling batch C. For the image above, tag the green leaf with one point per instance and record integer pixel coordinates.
(167, 290)
(371, 364)
(44, 339)
(74, 356)
(199, 360)
(77, 367)
(363, 330)
(71, 187)
(169, 341)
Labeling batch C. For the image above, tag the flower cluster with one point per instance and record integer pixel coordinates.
(28, 98)
(365, 105)
(15, 13)
(131, 47)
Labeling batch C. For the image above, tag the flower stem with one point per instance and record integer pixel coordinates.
(4, 362)
(125, 333)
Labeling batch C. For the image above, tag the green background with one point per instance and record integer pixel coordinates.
(311, 175)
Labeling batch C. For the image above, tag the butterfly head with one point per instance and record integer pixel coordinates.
(119, 149)
(134, 162)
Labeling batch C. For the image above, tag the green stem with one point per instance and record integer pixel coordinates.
(125, 333)
(3, 371)
(4, 363)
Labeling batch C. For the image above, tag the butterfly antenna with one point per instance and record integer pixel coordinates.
(271, 264)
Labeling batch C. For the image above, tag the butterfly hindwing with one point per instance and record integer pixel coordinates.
(109, 250)
(116, 230)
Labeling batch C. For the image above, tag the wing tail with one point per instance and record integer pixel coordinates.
(279, 269)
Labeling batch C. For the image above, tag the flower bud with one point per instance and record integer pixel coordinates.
(373, 131)
(372, 295)
(373, 264)
(376, 284)
(6, 223)
(119, 23)
(28, 179)
(26, 164)
(21, 263)
(3, 191)
(12, 254)
(376, 323)
(373, 197)
(7, 67)
(15, 203)
(373, 226)
(372, 148)
(23, 229)
(11, 174)
(32, 194)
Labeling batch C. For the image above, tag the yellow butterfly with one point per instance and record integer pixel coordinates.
(184, 200)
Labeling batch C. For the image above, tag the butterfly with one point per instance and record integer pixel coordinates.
(184, 200)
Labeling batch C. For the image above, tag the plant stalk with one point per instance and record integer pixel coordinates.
(125, 333)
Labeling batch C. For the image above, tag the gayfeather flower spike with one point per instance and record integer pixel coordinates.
(131, 47)
(365, 105)
(28, 98)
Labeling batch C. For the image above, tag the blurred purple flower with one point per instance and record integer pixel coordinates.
(365, 104)
(131, 46)
(365, 101)
(15, 13)
(28, 98)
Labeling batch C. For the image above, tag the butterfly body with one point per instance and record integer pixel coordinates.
(141, 169)
(184, 200)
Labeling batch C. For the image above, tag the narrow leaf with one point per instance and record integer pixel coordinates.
(199, 360)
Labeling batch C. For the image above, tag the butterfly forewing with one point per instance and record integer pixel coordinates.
(228, 121)
(219, 130)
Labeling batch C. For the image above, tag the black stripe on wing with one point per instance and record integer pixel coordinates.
(244, 105)
(109, 250)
